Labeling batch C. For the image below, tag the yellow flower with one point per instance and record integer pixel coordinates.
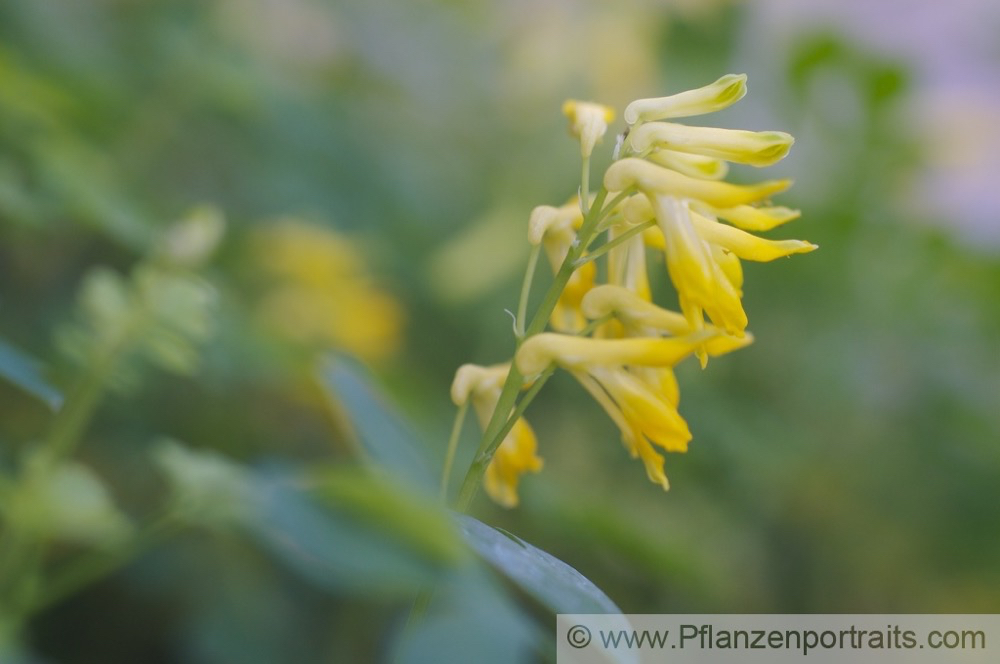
(652, 179)
(632, 379)
(516, 453)
(733, 240)
(700, 251)
(320, 291)
(748, 217)
(588, 122)
(692, 165)
(702, 284)
(757, 148)
(555, 229)
(640, 317)
(714, 97)
(680, 185)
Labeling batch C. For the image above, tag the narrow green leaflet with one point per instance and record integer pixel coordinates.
(385, 439)
(542, 576)
(25, 372)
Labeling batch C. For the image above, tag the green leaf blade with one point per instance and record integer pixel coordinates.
(544, 577)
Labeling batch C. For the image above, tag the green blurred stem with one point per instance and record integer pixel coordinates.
(76, 413)
(585, 187)
(522, 305)
(594, 324)
(86, 569)
(20, 552)
(73, 418)
(449, 458)
(500, 423)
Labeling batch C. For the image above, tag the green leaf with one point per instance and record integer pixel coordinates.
(25, 372)
(471, 619)
(542, 576)
(332, 549)
(386, 440)
(375, 498)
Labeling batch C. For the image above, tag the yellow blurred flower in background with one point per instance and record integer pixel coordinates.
(321, 293)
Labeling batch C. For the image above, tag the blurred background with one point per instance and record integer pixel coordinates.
(376, 163)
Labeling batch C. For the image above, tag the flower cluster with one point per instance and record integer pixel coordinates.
(663, 198)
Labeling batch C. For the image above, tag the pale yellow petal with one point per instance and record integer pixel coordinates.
(513, 458)
(574, 352)
(745, 245)
(701, 284)
(632, 309)
(652, 179)
(750, 218)
(692, 165)
(713, 97)
(757, 148)
(588, 122)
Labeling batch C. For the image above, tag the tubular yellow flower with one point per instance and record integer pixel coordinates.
(516, 455)
(701, 284)
(750, 218)
(632, 380)
(757, 148)
(637, 314)
(588, 122)
(652, 179)
(714, 97)
(692, 165)
(572, 352)
(744, 245)
(642, 414)
(554, 228)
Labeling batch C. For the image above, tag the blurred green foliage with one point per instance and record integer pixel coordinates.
(848, 461)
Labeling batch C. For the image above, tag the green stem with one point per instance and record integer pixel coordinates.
(522, 405)
(522, 305)
(508, 394)
(608, 246)
(85, 570)
(449, 458)
(20, 550)
(585, 186)
(594, 324)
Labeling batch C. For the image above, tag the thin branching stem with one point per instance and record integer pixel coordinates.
(611, 244)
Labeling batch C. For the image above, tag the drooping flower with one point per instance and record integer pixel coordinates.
(632, 379)
(516, 454)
